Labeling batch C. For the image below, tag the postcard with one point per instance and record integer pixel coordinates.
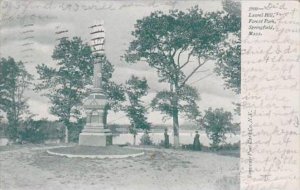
(149, 95)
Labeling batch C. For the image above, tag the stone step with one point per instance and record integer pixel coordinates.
(88, 130)
(98, 126)
(93, 127)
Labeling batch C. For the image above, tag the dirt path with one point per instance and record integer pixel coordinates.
(29, 168)
(17, 173)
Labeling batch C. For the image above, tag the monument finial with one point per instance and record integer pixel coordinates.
(98, 37)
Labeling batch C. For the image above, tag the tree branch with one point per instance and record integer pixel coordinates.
(178, 57)
(193, 72)
(171, 55)
(188, 60)
(201, 78)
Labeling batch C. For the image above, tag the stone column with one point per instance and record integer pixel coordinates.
(97, 78)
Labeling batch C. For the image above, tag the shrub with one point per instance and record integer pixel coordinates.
(145, 139)
(217, 123)
(2, 129)
(30, 131)
(191, 147)
(76, 129)
(39, 131)
(228, 146)
(187, 146)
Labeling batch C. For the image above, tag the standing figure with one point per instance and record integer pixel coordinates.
(166, 143)
(196, 144)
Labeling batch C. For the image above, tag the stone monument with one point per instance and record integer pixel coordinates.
(94, 132)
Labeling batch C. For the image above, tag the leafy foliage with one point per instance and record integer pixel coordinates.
(217, 123)
(65, 84)
(145, 139)
(187, 98)
(229, 67)
(162, 40)
(37, 131)
(135, 89)
(229, 56)
(115, 93)
(3, 127)
(14, 79)
(75, 129)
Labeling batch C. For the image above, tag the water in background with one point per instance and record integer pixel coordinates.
(185, 137)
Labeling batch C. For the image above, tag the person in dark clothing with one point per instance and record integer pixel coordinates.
(166, 143)
(196, 144)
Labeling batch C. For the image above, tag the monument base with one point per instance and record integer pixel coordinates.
(95, 139)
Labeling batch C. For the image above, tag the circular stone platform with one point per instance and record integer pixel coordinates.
(95, 152)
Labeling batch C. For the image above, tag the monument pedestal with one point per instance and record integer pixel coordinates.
(95, 139)
(94, 133)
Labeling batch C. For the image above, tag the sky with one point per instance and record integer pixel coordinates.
(34, 45)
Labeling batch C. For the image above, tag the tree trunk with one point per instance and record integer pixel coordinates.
(66, 124)
(174, 103)
(66, 134)
(176, 128)
(134, 139)
(14, 122)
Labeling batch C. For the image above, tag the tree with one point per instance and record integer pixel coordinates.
(217, 123)
(229, 56)
(114, 93)
(228, 64)
(187, 102)
(66, 83)
(135, 89)
(172, 42)
(14, 80)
